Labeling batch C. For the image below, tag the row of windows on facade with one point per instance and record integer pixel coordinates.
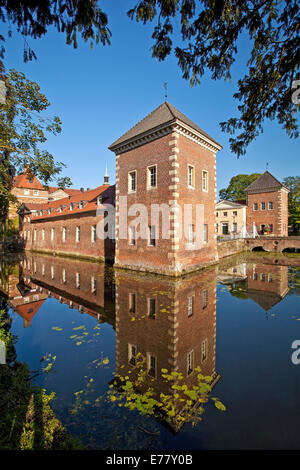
(64, 277)
(153, 305)
(26, 234)
(225, 228)
(152, 178)
(60, 298)
(35, 192)
(263, 277)
(151, 360)
(263, 206)
(153, 235)
(71, 207)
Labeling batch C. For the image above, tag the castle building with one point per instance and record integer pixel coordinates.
(267, 206)
(165, 159)
(231, 217)
(71, 226)
(29, 190)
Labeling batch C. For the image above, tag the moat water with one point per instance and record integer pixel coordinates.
(80, 324)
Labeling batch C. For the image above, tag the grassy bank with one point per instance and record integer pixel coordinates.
(27, 421)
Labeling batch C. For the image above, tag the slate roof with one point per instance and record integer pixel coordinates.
(265, 182)
(164, 114)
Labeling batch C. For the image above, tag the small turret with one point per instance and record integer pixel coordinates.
(106, 177)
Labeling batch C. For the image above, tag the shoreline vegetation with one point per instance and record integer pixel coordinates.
(27, 421)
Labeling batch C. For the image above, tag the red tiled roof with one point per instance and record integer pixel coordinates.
(88, 197)
(69, 191)
(28, 311)
(23, 181)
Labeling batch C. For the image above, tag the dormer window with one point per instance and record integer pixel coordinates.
(99, 200)
(80, 204)
(49, 211)
(60, 208)
(71, 206)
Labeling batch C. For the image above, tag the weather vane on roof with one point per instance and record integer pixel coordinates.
(166, 90)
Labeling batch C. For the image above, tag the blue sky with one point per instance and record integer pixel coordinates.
(99, 94)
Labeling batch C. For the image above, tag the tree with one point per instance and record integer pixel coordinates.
(237, 185)
(208, 42)
(23, 128)
(35, 17)
(293, 184)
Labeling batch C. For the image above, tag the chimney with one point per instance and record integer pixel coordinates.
(81, 190)
(106, 177)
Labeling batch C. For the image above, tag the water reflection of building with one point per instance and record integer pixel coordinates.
(267, 285)
(171, 323)
(24, 298)
(84, 286)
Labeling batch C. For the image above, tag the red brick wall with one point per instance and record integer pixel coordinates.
(171, 153)
(278, 216)
(100, 249)
(268, 278)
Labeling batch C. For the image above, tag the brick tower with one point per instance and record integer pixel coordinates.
(267, 201)
(165, 159)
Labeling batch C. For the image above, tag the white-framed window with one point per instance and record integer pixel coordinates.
(205, 233)
(43, 234)
(71, 206)
(152, 177)
(132, 235)
(263, 206)
(132, 352)
(191, 176)
(255, 206)
(35, 192)
(271, 205)
(270, 278)
(204, 298)
(151, 365)
(271, 228)
(34, 235)
(93, 285)
(190, 362)
(94, 233)
(78, 280)
(64, 234)
(132, 181)
(151, 308)
(64, 275)
(204, 350)
(52, 234)
(26, 191)
(234, 227)
(205, 180)
(191, 234)
(152, 240)
(132, 299)
(52, 272)
(77, 234)
(191, 299)
(80, 205)
(255, 277)
(263, 277)
(234, 213)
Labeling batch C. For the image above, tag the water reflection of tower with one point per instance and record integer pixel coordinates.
(171, 323)
(267, 284)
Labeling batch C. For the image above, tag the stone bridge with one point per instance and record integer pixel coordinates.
(272, 244)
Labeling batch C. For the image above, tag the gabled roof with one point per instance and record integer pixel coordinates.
(230, 204)
(164, 114)
(265, 182)
(69, 191)
(24, 181)
(264, 299)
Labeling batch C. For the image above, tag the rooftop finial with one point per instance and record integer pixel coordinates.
(106, 177)
(166, 90)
